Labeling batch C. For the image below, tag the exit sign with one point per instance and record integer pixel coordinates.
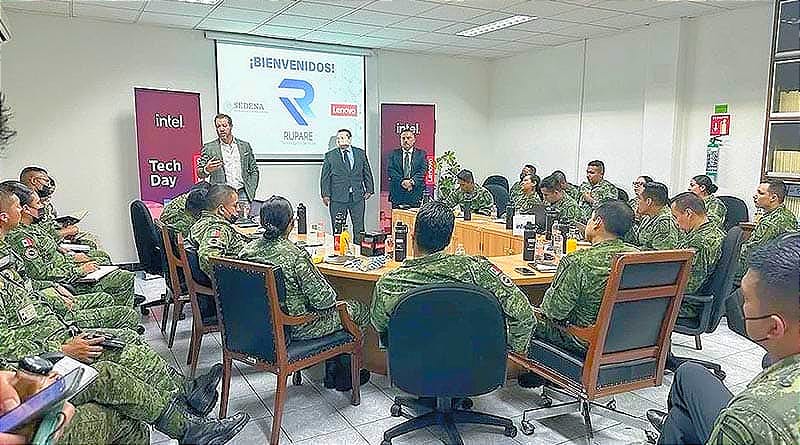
(720, 125)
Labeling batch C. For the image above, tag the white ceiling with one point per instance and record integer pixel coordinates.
(419, 26)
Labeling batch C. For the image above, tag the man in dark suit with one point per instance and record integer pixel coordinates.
(346, 181)
(228, 160)
(407, 167)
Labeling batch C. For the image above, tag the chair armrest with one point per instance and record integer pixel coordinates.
(348, 323)
(290, 320)
(585, 333)
(698, 298)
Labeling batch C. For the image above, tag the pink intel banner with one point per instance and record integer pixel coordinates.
(395, 118)
(168, 136)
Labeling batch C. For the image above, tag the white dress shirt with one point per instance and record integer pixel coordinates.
(233, 164)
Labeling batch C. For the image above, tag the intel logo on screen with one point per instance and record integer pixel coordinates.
(168, 121)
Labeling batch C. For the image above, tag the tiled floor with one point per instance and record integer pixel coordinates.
(315, 415)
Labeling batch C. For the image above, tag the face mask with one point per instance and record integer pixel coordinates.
(231, 218)
(45, 191)
(746, 319)
(36, 218)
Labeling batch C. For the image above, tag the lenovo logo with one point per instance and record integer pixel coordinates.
(346, 110)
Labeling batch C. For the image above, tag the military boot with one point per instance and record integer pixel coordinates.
(201, 393)
(179, 424)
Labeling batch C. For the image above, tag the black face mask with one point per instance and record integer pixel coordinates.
(231, 218)
(746, 319)
(45, 191)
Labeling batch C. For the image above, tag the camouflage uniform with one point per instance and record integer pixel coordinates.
(43, 261)
(515, 189)
(657, 232)
(576, 293)
(214, 236)
(706, 241)
(715, 210)
(773, 224)
(634, 204)
(176, 217)
(524, 202)
(568, 210)
(41, 230)
(767, 412)
(441, 267)
(602, 191)
(99, 424)
(572, 191)
(307, 291)
(480, 200)
(51, 226)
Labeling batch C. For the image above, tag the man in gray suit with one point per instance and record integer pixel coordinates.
(346, 181)
(228, 160)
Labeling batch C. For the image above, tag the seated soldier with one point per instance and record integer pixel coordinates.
(704, 237)
(570, 189)
(179, 214)
(595, 190)
(577, 290)
(657, 229)
(703, 410)
(432, 231)
(470, 194)
(566, 208)
(527, 197)
(527, 169)
(704, 188)
(44, 261)
(307, 291)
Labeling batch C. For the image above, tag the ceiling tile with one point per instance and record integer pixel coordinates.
(409, 46)
(350, 28)
(543, 25)
(586, 15)
(225, 26)
(47, 7)
(279, 31)
(552, 39)
(371, 42)
(541, 8)
(372, 18)
(327, 37)
(319, 10)
(627, 5)
(121, 4)
(258, 5)
(587, 31)
(736, 4)
(168, 20)
(495, 5)
(581, 2)
(421, 24)
(628, 21)
(507, 34)
(489, 17)
(674, 10)
(450, 50)
(404, 7)
(355, 4)
(296, 21)
(453, 13)
(395, 33)
(517, 47)
(455, 28)
(176, 7)
(102, 12)
(240, 15)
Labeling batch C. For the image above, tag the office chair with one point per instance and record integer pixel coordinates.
(501, 198)
(456, 361)
(622, 195)
(497, 180)
(737, 212)
(149, 247)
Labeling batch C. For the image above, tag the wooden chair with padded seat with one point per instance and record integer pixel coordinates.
(176, 282)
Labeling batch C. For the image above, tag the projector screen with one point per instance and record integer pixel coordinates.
(288, 104)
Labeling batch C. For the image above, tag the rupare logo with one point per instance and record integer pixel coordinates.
(303, 103)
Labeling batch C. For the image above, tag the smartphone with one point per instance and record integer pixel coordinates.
(55, 393)
(524, 271)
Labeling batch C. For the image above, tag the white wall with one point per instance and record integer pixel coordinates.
(71, 82)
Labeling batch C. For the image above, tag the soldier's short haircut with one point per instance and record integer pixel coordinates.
(688, 200)
(617, 216)
(196, 200)
(433, 226)
(551, 183)
(598, 164)
(223, 116)
(559, 175)
(6, 198)
(656, 191)
(646, 178)
(466, 176)
(777, 187)
(531, 167)
(23, 192)
(778, 266)
(217, 195)
(276, 215)
(29, 171)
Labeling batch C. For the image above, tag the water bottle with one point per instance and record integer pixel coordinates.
(337, 230)
(302, 228)
(529, 242)
(551, 213)
(466, 209)
(558, 240)
(510, 210)
(400, 241)
(460, 250)
(389, 247)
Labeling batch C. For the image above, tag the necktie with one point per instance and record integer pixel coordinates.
(406, 165)
(347, 159)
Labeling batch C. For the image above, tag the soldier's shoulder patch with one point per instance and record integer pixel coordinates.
(31, 253)
(27, 242)
(497, 272)
(215, 233)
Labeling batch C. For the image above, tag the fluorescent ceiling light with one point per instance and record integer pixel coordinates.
(205, 2)
(494, 26)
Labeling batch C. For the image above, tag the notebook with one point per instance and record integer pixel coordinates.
(98, 274)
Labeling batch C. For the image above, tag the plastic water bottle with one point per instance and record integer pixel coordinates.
(558, 240)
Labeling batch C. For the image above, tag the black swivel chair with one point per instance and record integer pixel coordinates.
(500, 196)
(457, 361)
(622, 195)
(149, 246)
(737, 212)
(497, 180)
(713, 295)
(255, 210)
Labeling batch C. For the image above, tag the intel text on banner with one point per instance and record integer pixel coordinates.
(419, 118)
(168, 136)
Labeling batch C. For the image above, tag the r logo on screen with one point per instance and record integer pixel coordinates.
(302, 111)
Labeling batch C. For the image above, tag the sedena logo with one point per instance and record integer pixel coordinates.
(302, 111)
(344, 110)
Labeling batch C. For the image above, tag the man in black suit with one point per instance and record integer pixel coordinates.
(407, 168)
(346, 181)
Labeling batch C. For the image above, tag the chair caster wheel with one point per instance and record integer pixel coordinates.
(396, 411)
(527, 427)
(651, 437)
(547, 402)
(612, 404)
(466, 404)
(145, 311)
(720, 375)
(511, 431)
(297, 378)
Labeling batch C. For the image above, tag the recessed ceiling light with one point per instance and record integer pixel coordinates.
(205, 2)
(494, 26)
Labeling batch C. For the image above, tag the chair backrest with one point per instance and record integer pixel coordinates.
(496, 180)
(190, 260)
(540, 213)
(169, 239)
(500, 196)
(147, 239)
(457, 359)
(622, 195)
(248, 304)
(737, 211)
(643, 296)
(720, 282)
(255, 210)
